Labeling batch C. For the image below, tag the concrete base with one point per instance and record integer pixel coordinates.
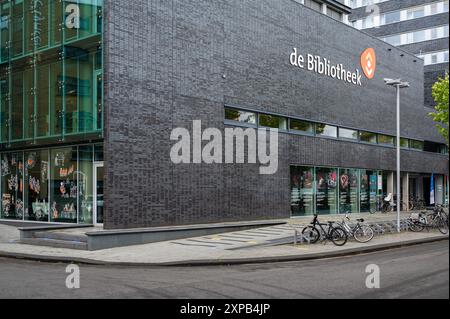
(104, 239)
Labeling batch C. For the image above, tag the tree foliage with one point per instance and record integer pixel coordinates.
(440, 95)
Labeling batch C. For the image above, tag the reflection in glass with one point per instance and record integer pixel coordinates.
(417, 145)
(272, 121)
(326, 130)
(37, 204)
(301, 126)
(348, 134)
(368, 137)
(63, 185)
(386, 140)
(12, 184)
(348, 191)
(240, 116)
(85, 182)
(404, 143)
(50, 70)
(302, 191)
(368, 190)
(327, 190)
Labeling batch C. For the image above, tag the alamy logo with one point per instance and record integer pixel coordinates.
(73, 279)
(73, 17)
(239, 146)
(373, 279)
(369, 63)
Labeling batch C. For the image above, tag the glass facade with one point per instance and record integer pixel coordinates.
(51, 108)
(51, 185)
(302, 183)
(327, 191)
(50, 71)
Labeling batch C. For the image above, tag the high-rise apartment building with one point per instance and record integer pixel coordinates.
(417, 26)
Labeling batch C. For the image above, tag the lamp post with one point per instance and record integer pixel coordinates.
(398, 84)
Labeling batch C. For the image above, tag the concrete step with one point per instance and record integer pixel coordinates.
(60, 236)
(55, 243)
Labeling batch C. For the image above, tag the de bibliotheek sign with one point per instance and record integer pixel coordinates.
(324, 66)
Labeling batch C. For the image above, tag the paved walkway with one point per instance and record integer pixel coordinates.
(218, 249)
(275, 234)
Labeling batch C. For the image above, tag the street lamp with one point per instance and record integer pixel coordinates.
(398, 84)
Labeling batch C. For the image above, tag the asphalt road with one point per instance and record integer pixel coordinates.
(412, 272)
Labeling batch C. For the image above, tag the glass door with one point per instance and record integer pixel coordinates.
(98, 193)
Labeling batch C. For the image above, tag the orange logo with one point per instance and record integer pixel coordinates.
(369, 62)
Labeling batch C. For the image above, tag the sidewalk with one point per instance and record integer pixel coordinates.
(196, 251)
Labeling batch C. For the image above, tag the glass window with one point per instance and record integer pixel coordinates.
(17, 25)
(392, 17)
(417, 36)
(368, 190)
(416, 13)
(302, 191)
(37, 174)
(368, 137)
(327, 190)
(404, 142)
(348, 191)
(417, 145)
(17, 101)
(98, 152)
(433, 8)
(301, 126)
(42, 102)
(4, 103)
(64, 185)
(12, 186)
(434, 58)
(272, 121)
(334, 14)
(326, 130)
(240, 116)
(317, 6)
(433, 33)
(386, 140)
(85, 182)
(348, 134)
(5, 24)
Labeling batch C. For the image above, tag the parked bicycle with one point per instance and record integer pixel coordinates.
(427, 220)
(329, 231)
(416, 203)
(384, 205)
(361, 232)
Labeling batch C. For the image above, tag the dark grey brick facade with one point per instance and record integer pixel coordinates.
(171, 62)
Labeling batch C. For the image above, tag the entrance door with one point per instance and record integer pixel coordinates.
(426, 189)
(98, 193)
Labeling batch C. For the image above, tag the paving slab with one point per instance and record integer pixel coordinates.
(200, 251)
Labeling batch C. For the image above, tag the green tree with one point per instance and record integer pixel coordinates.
(440, 95)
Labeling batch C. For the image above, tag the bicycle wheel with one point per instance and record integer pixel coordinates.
(364, 234)
(312, 233)
(338, 236)
(415, 226)
(442, 225)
